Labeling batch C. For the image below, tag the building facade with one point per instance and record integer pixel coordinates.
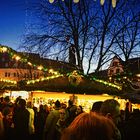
(17, 66)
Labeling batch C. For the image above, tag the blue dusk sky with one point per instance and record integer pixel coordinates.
(13, 22)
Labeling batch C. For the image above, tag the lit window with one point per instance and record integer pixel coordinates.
(6, 74)
(15, 74)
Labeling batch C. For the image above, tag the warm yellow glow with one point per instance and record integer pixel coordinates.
(75, 1)
(124, 77)
(4, 49)
(29, 63)
(110, 84)
(51, 71)
(51, 1)
(113, 3)
(110, 78)
(55, 73)
(86, 101)
(8, 81)
(40, 67)
(42, 79)
(102, 2)
(17, 58)
(138, 75)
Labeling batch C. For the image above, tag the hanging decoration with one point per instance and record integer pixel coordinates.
(113, 3)
(101, 2)
(107, 83)
(75, 78)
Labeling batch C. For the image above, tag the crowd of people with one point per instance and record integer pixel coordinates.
(105, 121)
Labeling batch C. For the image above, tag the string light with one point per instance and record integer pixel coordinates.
(108, 84)
(75, 1)
(101, 2)
(40, 67)
(113, 3)
(14, 55)
(51, 1)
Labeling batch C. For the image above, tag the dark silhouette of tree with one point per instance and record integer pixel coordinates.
(93, 30)
(128, 39)
(58, 21)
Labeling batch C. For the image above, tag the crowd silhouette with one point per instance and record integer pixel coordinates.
(67, 121)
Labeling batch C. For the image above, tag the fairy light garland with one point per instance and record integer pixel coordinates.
(8, 81)
(56, 74)
(107, 83)
(101, 2)
(13, 54)
(43, 79)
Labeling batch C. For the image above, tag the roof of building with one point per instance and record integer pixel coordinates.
(6, 61)
(132, 64)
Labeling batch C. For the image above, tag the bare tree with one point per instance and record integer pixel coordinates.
(93, 30)
(128, 40)
(62, 24)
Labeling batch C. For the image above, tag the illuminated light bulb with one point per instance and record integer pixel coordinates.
(42, 79)
(102, 2)
(4, 49)
(29, 63)
(52, 77)
(56, 73)
(75, 1)
(51, 1)
(40, 67)
(17, 58)
(113, 3)
(50, 70)
(138, 75)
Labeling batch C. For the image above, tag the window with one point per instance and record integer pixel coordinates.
(15, 74)
(117, 70)
(7, 74)
(111, 72)
(115, 63)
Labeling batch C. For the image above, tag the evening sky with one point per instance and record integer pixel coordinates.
(13, 22)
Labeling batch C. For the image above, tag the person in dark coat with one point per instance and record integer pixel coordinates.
(40, 122)
(71, 112)
(21, 121)
(50, 124)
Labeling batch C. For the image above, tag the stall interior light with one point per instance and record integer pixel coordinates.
(138, 75)
(101, 2)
